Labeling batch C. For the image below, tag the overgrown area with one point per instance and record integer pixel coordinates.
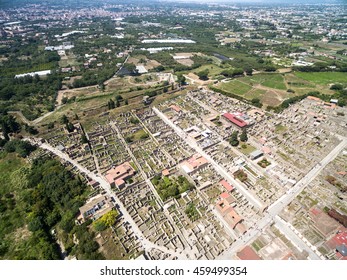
(36, 198)
(173, 186)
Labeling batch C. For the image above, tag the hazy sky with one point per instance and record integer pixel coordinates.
(266, 1)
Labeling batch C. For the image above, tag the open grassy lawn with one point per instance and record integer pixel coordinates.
(140, 134)
(323, 78)
(235, 86)
(275, 81)
(246, 148)
(214, 70)
(294, 81)
(255, 93)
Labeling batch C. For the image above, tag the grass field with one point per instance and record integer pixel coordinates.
(235, 86)
(294, 81)
(214, 70)
(271, 88)
(140, 134)
(246, 148)
(255, 93)
(274, 81)
(323, 78)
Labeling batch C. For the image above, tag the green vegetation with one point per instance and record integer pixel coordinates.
(275, 80)
(243, 136)
(203, 75)
(234, 139)
(34, 199)
(22, 148)
(235, 86)
(280, 128)
(8, 125)
(323, 78)
(138, 135)
(168, 187)
(241, 175)
(106, 220)
(191, 212)
(247, 149)
(31, 95)
(213, 70)
(264, 163)
(134, 120)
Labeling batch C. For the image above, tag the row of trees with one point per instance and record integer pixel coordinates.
(235, 137)
(340, 95)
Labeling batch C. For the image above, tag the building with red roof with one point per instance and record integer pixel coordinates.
(117, 175)
(229, 214)
(226, 185)
(247, 253)
(338, 243)
(193, 164)
(227, 198)
(235, 120)
(175, 108)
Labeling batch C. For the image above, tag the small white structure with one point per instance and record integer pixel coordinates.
(39, 73)
(141, 69)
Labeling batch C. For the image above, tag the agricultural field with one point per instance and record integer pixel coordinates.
(236, 87)
(273, 88)
(274, 81)
(323, 78)
(255, 93)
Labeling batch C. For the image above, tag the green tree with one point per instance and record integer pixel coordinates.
(243, 136)
(99, 225)
(84, 139)
(9, 125)
(101, 86)
(248, 71)
(256, 102)
(181, 79)
(203, 75)
(336, 87)
(70, 127)
(234, 139)
(111, 105)
(64, 119)
(110, 218)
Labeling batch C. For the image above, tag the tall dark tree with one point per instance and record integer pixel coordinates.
(111, 104)
(234, 139)
(243, 136)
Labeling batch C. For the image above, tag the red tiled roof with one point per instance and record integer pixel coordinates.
(248, 253)
(120, 173)
(176, 108)
(315, 211)
(224, 195)
(338, 239)
(165, 172)
(313, 98)
(226, 185)
(235, 120)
